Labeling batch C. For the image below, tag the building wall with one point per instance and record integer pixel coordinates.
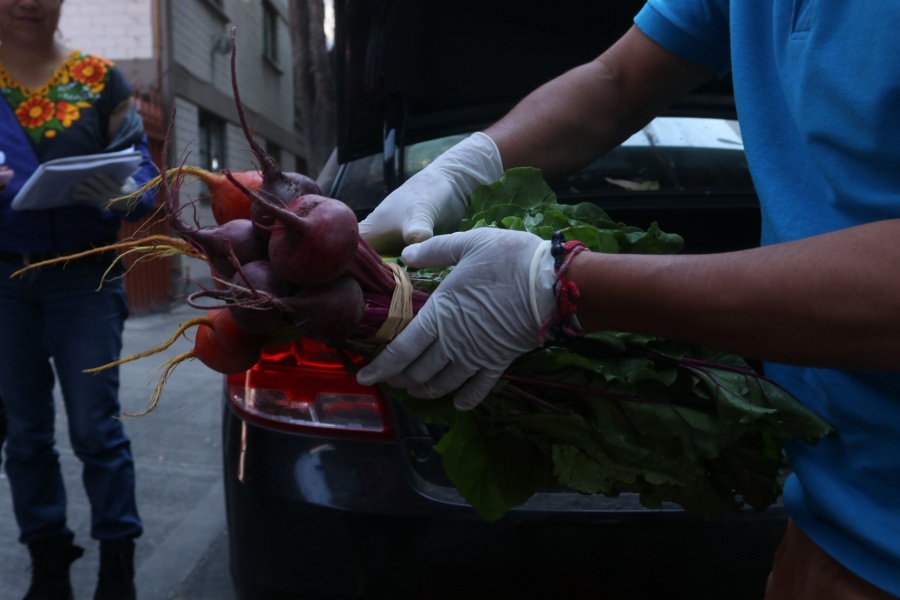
(200, 71)
(196, 60)
(181, 49)
(117, 29)
(120, 30)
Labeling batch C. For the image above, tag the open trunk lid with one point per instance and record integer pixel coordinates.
(409, 70)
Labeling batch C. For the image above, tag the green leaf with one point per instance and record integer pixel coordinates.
(494, 215)
(792, 419)
(514, 223)
(654, 241)
(595, 239)
(492, 472)
(729, 391)
(592, 214)
(555, 219)
(523, 187)
(587, 474)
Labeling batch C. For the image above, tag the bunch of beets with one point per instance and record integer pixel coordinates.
(287, 262)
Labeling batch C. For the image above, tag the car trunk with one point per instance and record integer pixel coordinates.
(409, 70)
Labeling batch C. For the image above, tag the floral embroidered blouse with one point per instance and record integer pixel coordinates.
(67, 116)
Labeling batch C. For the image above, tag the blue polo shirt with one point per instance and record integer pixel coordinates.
(817, 86)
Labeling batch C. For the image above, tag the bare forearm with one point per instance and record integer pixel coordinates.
(536, 133)
(831, 300)
(573, 119)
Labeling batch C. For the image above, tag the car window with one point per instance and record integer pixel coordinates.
(672, 155)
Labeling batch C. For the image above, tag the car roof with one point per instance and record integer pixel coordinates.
(410, 70)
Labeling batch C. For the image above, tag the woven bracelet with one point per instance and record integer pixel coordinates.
(565, 290)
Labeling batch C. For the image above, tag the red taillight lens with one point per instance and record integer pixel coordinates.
(306, 386)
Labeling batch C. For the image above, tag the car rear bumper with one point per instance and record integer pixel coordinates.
(341, 518)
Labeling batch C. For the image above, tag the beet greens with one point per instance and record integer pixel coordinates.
(613, 413)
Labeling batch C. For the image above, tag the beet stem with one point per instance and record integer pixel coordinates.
(270, 168)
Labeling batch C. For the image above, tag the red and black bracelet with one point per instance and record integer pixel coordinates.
(565, 290)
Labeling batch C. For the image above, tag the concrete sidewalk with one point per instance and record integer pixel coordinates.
(177, 449)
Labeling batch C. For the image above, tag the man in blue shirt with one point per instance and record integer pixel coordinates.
(817, 87)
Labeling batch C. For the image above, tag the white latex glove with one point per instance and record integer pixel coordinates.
(488, 311)
(435, 198)
(100, 189)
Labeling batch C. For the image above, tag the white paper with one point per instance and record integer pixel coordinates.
(52, 184)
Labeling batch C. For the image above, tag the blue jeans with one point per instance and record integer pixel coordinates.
(57, 313)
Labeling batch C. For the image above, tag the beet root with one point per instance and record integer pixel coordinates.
(329, 312)
(237, 237)
(282, 188)
(257, 289)
(227, 201)
(314, 239)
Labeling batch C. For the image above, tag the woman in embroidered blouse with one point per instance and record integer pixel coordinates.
(56, 102)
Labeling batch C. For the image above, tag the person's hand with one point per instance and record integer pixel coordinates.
(6, 175)
(435, 198)
(100, 189)
(488, 311)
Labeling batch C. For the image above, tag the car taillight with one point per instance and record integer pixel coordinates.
(306, 386)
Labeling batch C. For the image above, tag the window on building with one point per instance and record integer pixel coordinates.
(211, 134)
(270, 32)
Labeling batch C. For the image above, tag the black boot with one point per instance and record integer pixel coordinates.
(116, 578)
(50, 561)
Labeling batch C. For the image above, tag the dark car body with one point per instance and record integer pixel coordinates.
(333, 490)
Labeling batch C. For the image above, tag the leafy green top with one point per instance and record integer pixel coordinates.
(613, 412)
(521, 200)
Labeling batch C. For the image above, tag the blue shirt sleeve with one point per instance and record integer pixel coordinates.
(144, 175)
(695, 30)
(131, 133)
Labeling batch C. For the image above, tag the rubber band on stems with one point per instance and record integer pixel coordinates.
(400, 312)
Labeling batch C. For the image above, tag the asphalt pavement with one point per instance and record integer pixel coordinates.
(177, 448)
